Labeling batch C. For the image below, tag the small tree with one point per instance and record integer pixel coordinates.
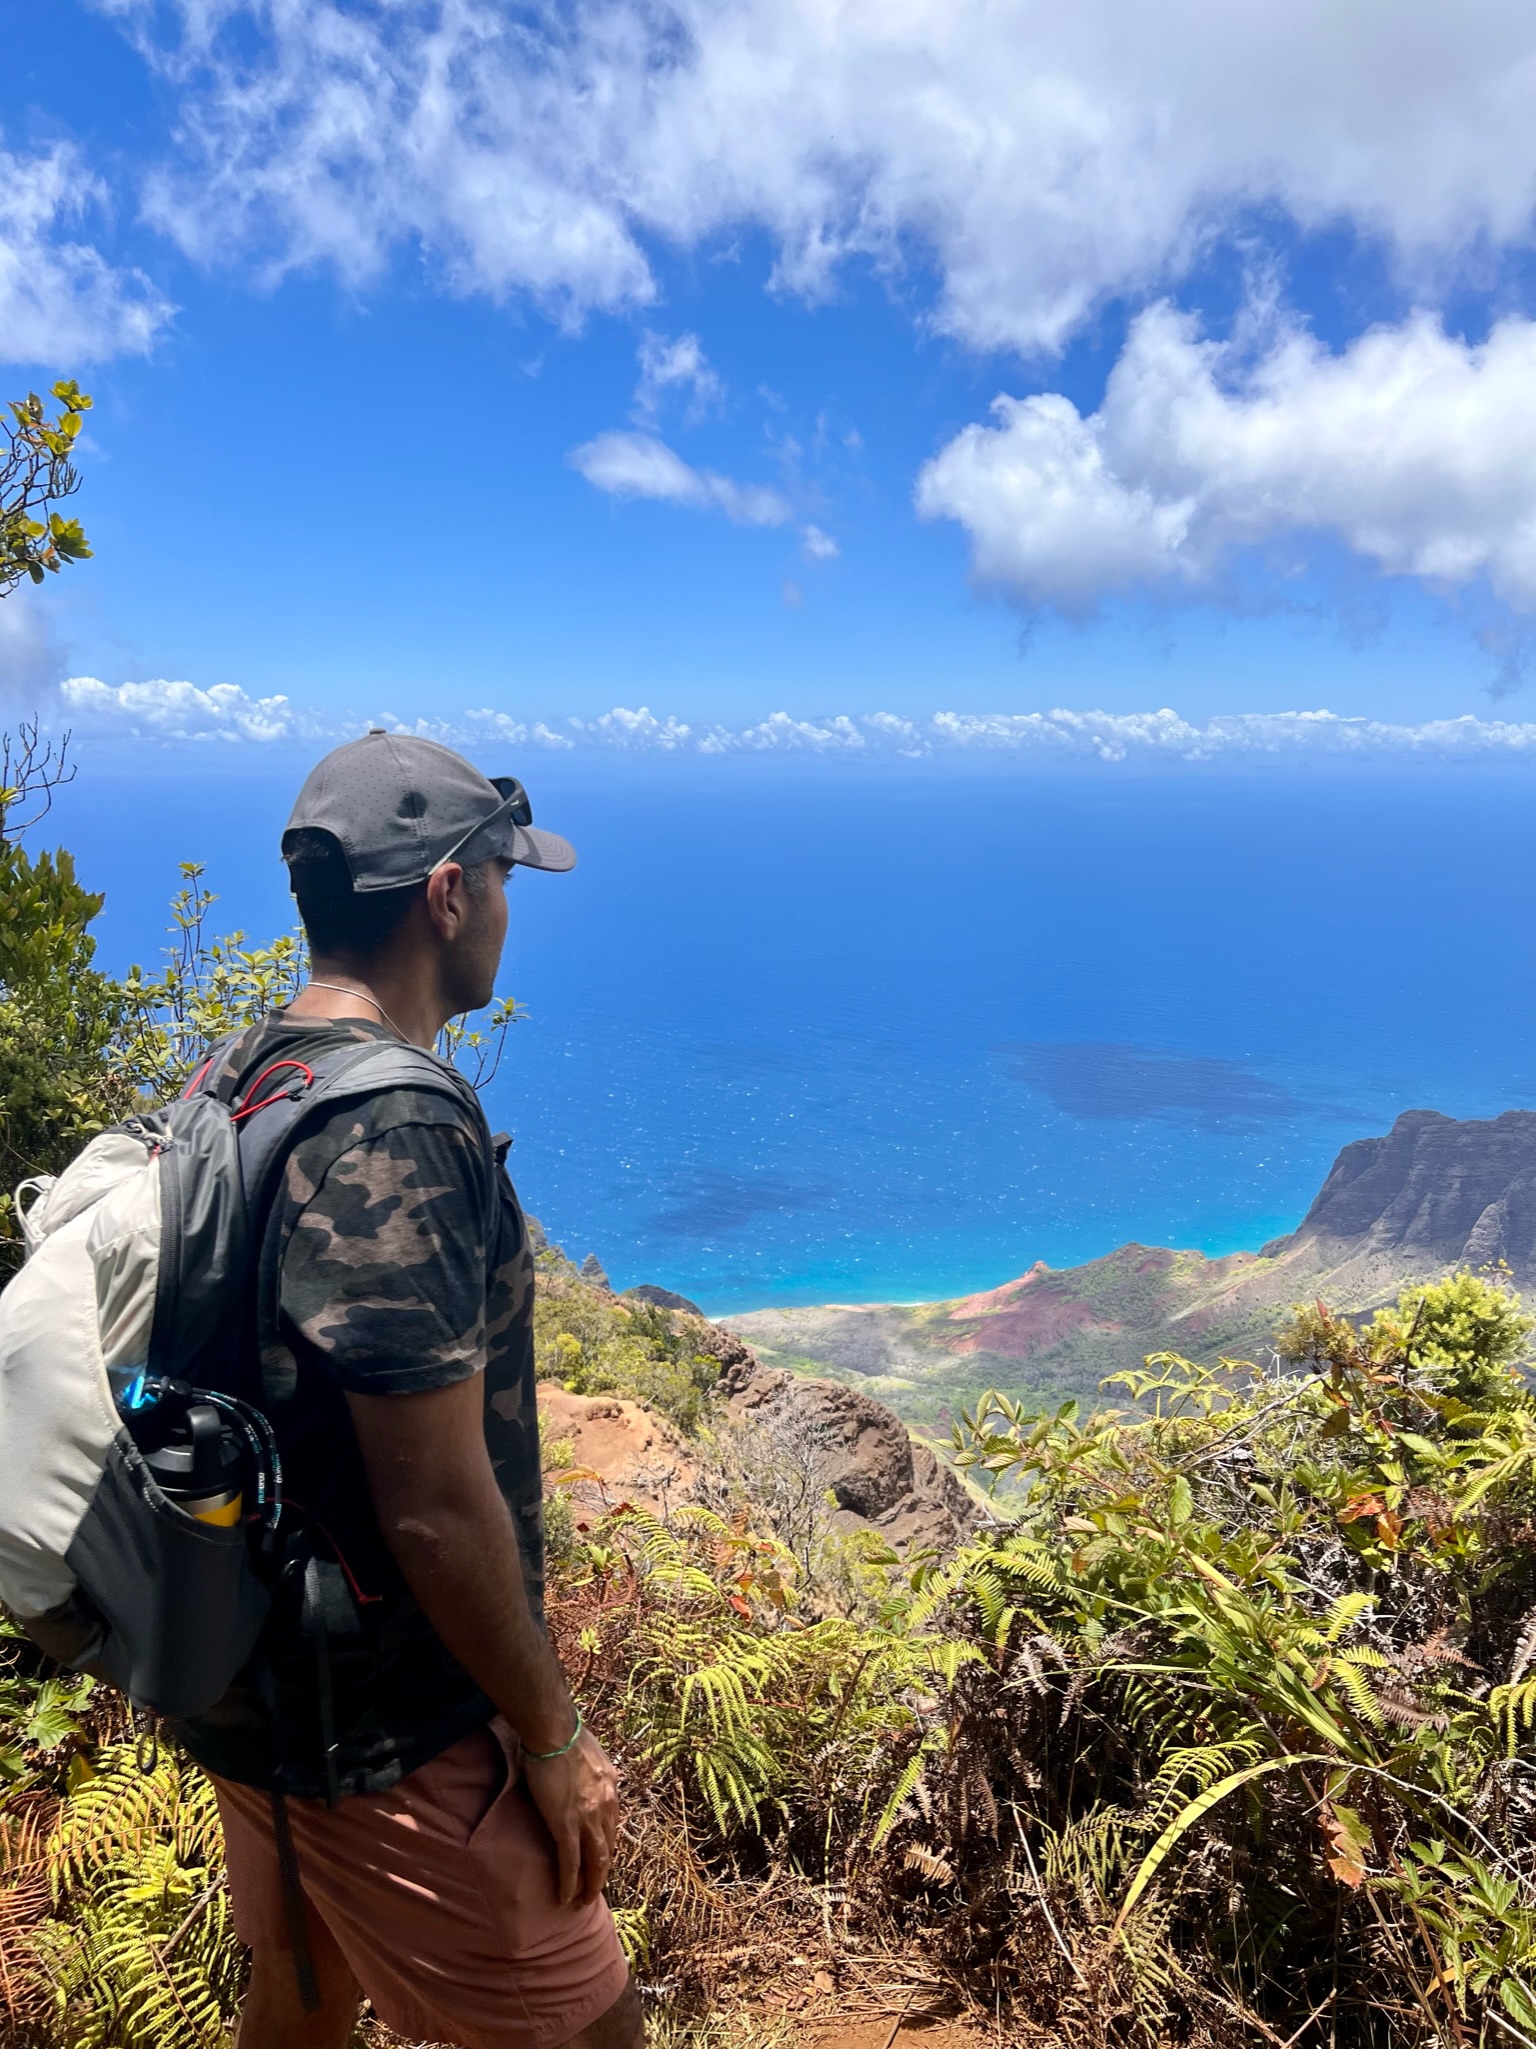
(59, 1014)
(36, 475)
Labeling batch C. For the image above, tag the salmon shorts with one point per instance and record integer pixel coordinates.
(441, 1895)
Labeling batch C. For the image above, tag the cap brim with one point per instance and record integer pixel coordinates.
(534, 848)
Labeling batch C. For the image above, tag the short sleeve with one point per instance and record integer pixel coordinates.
(384, 1274)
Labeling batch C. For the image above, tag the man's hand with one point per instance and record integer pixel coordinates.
(578, 1796)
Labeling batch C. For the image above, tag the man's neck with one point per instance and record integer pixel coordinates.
(405, 1004)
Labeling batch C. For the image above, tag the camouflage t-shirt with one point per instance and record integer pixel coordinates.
(403, 1264)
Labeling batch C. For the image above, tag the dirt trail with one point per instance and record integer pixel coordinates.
(914, 2032)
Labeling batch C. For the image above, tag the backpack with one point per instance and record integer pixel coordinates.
(139, 1295)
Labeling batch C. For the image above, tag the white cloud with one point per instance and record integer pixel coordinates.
(904, 735)
(182, 711)
(637, 730)
(639, 466)
(1163, 735)
(1414, 450)
(779, 733)
(162, 710)
(497, 725)
(1044, 158)
(62, 305)
(680, 366)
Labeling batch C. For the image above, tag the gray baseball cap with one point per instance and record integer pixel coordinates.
(401, 806)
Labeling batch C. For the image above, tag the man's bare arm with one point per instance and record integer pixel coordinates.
(451, 1533)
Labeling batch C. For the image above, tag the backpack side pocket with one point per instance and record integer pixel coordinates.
(182, 1604)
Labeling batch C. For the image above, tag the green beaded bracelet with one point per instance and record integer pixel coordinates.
(544, 1756)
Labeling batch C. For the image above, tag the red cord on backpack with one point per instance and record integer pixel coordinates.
(198, 1079)
(250, 1108)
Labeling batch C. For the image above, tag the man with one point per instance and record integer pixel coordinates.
(412, 1809)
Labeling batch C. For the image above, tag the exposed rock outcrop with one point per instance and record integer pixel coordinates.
(623, 1450)
(661, 1298)
(616, 1451)
(857, 1449)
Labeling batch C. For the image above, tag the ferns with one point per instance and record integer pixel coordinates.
(1200, 1766)
(114, 1919)
(749, 1712)
(703, 1700)
(1514, 1709)
(141, 1949)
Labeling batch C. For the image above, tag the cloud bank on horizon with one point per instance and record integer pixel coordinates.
(178, 713)
(1045, 165)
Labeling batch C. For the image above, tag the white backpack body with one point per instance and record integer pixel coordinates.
(82, 1306)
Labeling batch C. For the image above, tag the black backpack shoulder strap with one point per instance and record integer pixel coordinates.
(289, 1095)
(285, 1100)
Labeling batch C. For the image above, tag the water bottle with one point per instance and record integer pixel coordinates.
(201, 1466)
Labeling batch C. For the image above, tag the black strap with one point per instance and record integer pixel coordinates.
(266, 1139)
(327, 1718)
(329, 1611)
(365, 1070)
(293, 1904)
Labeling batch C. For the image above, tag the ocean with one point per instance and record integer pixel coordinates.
(811, 1032)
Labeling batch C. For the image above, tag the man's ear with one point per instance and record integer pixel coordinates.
(447, 899)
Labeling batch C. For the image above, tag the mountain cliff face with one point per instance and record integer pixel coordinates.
(1434, 1194)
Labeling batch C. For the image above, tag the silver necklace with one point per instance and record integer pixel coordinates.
(362, 997)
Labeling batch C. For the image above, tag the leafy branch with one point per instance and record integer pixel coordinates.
(36, 475)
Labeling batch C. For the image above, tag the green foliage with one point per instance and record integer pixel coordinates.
(139, 1948)
(741, 1710)
(36, 474)
(593, 1343)
(59, 1015)
(39, 1713)
(1289, 1598)
(1463, 1335)
(475, 1043)
(207, 989)
(761, 1717)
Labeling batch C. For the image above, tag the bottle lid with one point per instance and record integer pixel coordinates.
(205, 1453)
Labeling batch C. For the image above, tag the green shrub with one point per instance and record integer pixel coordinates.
(594, 1343)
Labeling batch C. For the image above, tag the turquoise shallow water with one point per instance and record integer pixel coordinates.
(801, 1035)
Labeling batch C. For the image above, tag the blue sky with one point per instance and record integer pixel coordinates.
(776, 356)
